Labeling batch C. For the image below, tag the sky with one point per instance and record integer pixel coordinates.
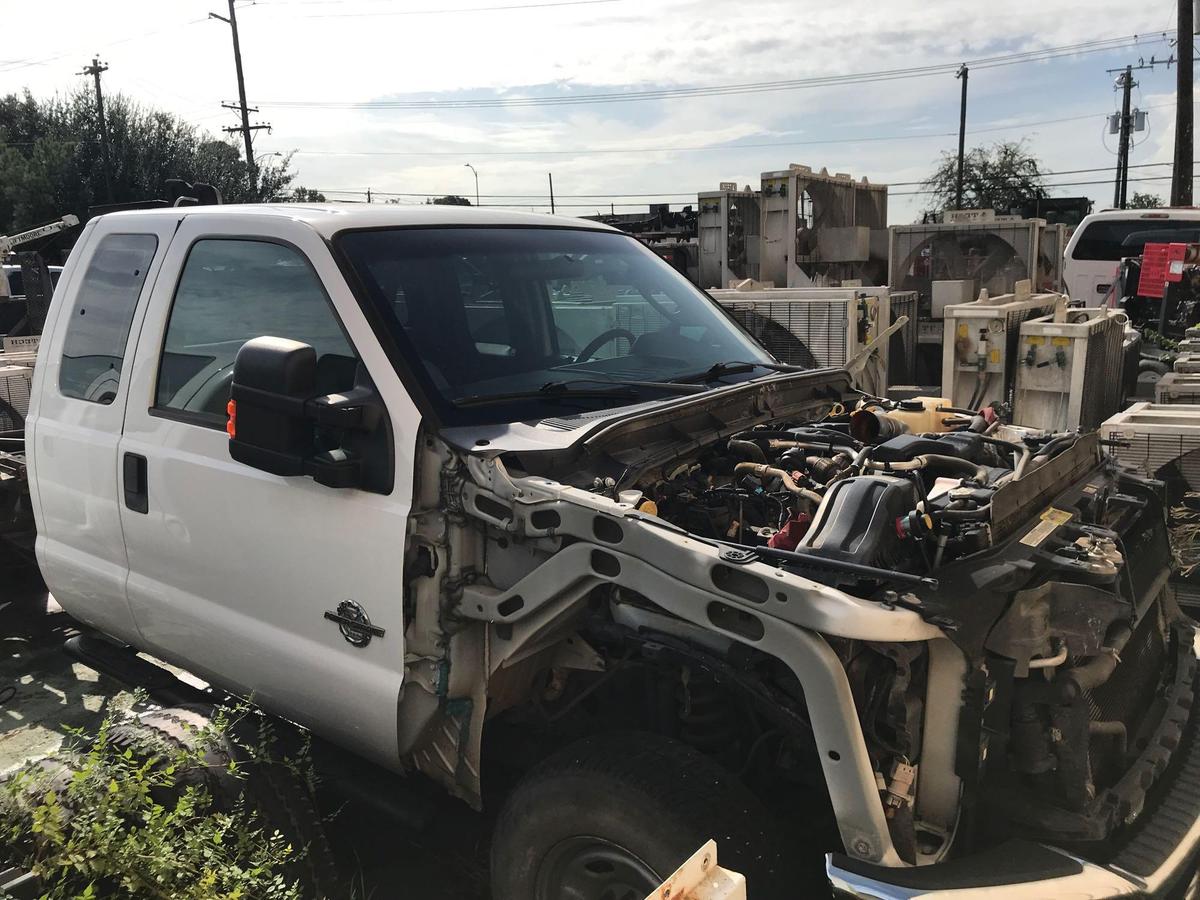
(504, 85)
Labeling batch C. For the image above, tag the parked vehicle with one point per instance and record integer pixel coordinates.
(1104, 238)
(504, 499)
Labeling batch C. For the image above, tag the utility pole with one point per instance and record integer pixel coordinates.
(368, 195)
(94, 70)
(550, 175)
(1181, 181)
(963, 72)
(245, 128)
(1122, 180)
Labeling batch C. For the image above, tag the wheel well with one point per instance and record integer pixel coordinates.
(745, 711)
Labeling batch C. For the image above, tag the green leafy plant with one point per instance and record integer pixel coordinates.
(105, 821)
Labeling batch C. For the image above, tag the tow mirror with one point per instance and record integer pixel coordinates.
(279, 424)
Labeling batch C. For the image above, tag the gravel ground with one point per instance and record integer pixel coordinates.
(445, 860)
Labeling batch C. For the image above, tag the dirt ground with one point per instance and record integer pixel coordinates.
(43, 693)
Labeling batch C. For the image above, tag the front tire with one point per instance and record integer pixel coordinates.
(611, 817)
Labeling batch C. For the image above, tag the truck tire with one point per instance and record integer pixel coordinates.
(612, 816)
(281, 799)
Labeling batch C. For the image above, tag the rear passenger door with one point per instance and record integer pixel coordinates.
(233, 570)
(80, 386)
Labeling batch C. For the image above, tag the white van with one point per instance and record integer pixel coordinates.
(1103, 239)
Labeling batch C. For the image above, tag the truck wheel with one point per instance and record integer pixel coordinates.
(611, 817)
(281, 799)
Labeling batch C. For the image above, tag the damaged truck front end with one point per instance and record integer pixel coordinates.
(958, 644)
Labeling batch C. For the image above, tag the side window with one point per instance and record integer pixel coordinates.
(94, 346)
(230, 292)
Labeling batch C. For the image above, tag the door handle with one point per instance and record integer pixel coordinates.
(137, 497)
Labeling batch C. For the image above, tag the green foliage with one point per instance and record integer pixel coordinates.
(303, 195)
(1145, 200)
(51, 162)
(998, 177)
(105, 822)
(449, 200)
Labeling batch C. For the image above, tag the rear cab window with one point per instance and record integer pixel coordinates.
(98, 329)
(1111, 240)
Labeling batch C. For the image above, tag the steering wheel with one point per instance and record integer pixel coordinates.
(603, 338)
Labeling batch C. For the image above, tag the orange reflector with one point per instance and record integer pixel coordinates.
(231, 425)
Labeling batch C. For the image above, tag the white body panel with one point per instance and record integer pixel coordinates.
(73, 462)
(232, 569)
(1091, 280)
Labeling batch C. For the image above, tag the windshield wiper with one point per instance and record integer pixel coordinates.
(733, 367)
(553, 390)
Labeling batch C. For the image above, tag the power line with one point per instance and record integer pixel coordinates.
(1096, 46)
(13, 65)
(691, 195)
(705, 148)
(467, 9)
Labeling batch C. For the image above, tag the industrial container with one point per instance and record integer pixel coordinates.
(821, 229)
(729, 228)
(992, 255)
(1070, 369)
(979, 345)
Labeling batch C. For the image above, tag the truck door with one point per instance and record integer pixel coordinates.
(80, 385)
(232, 571)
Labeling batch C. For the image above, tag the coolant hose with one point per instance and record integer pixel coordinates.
(762, 471)
(1097, 670)
(748, 450)
(979, 473)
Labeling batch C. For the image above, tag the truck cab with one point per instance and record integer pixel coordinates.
(467, 492)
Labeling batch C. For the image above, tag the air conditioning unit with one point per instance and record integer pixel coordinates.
(811, 326)
(1069, 369)
(902, 348)
(15, 382)
(1175, 387)
(729, 228)
(979, 345)
(1163, 442)
(1188, 364)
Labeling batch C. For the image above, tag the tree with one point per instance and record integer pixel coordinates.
(1143, 200)
(303, 195)
(51, 161)
(999, 177)
(449, 200)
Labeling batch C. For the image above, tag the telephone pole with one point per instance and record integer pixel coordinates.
(1181, 181)
(550, 175)
(94, 70)
(1122, 181)
(245, 128)
(963, 72)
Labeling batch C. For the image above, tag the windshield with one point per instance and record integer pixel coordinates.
(496, 312)
(1110, 240)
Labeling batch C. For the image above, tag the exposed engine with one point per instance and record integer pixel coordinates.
(1040, 560)
(907, 486)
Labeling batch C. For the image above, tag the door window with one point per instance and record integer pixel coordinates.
(94, 346)
(230, 292)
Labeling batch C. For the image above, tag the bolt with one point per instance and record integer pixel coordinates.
(862, 847)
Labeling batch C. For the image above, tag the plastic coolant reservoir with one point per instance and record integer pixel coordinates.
(921, 414)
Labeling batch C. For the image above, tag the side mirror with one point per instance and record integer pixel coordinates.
(278, 423)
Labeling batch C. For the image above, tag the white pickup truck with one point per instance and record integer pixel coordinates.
(505, 500)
